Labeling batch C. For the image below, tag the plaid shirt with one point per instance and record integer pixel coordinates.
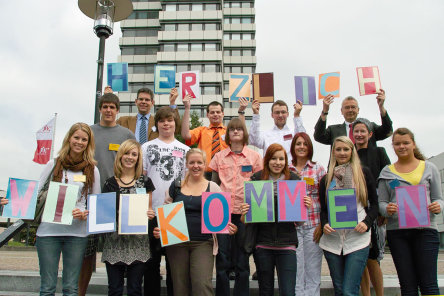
(313, 171)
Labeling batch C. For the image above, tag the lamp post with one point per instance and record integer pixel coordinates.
(104, 13)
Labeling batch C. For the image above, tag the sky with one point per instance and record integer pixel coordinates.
(48, 64)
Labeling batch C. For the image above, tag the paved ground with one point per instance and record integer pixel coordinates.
(28, 261)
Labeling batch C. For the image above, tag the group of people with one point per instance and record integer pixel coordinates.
(142, 152)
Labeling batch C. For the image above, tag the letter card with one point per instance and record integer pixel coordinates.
(260, 196)
(368, 80)
(60, 202)
(189, 84)
(263, 87)
(291, 205)
(329, 85)
(342, 208)
(305, 89)
(132, 214)
(164, 78)
(172, 223)
(22, 196)
(216, 212)
(118, 76)
(102, 213)
(412, 206)
(239, 87)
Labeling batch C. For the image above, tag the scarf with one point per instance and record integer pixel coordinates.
(343, 176)
(76, 166)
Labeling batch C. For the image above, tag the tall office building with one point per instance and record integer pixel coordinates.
(214, 37)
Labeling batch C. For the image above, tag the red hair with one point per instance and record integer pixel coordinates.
(307, 139)
(272, 149)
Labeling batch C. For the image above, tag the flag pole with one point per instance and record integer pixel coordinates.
(53, 136)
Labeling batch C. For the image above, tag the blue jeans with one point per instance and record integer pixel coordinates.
(346, 271)
(223, 262)
(49, 249)
(116, 273)
(285, 263)
(415, 254)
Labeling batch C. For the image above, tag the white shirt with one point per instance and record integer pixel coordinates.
(163, 163)
(346, 241)
(262, 140)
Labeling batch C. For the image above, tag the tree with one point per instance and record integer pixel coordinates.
(194, 122)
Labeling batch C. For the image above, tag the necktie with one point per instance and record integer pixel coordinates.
(142, 131)
(350, 132)
(215, 147)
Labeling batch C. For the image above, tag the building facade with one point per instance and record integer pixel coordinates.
(213, 37)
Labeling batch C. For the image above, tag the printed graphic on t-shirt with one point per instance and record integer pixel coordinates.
(164, 163)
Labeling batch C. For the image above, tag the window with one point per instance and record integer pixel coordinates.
(183, 27)
(210, 6)
(247, 20)
(235, 36)
(236, 53)
(182, 47)
(247, 36)
(209, 68)
(153, 15)
(168, 47)
(209, 90)
(227, 5)
(235, 20)
(210, 27)
(197, 7)
(210, 46)
(169, 27)
(226, 36)
(196, 68)
(246, 4)
(236, 69)
(196, 27)
(127, 51)
(235, 5)
(247, 52)
(184, 7)
(140, 68)
(226, 20)
(181, 68)
(196, 47)
(143, 32)
(170, 7)
(247, 69)
(144, 50)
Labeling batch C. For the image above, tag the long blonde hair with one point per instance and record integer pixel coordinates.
(126, 146)
(355, 164)
(193, 151)
(88, 154)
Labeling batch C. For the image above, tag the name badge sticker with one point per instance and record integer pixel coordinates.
(177, 153)
(288, 137)
(223, 137)
(247, 168)
(113, 147)
(309, 181)
(394, 183)
(140, 190)
(80, 178)
(332, 184)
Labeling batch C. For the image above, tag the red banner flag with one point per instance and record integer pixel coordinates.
(44, 136)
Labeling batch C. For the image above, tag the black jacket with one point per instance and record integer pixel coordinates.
(326, 135)
(271, 234)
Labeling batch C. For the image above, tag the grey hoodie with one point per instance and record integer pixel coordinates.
(387, 194)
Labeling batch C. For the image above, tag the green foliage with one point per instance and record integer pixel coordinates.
(194, 122)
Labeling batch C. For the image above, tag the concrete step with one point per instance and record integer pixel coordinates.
(28, 283)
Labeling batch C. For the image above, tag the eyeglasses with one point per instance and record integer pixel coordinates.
(233, 129)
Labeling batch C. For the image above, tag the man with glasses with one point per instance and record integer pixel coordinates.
(142, 125)
(280, 133)
(350, 111)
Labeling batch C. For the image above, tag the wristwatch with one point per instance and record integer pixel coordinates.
(324, 113)
(241, 112)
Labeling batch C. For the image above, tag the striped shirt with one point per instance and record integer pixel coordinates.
(312, 174)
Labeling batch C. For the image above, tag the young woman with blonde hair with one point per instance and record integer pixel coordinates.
(75, 159)
(192, 262)
(126, 252)
(346, 250)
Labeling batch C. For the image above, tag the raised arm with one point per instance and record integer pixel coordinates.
(321, 133)
(186, 118)
(243, 103)
(255, 137)
(173, 96)
(384, 130)
(297, 119)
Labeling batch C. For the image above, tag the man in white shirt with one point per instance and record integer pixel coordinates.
(280, 133)
(163, 162)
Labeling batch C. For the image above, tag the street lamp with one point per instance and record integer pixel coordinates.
(104, 13)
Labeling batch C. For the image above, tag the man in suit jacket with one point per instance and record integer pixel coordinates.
(350, 111)
(144, 102)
